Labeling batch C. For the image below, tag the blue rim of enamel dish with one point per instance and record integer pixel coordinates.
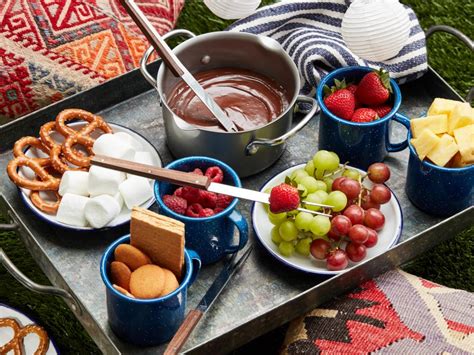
(339, 73)
(105, 278)
(286, 262)
(88, 229)
(193, 159)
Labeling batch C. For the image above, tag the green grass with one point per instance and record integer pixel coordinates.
(449, 264)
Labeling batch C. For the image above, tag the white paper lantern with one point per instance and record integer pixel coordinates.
(232, 9)
(376, 30)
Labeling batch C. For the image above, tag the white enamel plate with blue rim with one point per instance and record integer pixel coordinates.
(388, 236)
(124, 215)
(31, 341)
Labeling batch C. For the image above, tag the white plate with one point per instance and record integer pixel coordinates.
(124, 215)
(30, 341)
(388, 236)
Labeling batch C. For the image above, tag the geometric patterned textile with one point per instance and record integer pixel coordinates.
(396, 313)
(50, 49)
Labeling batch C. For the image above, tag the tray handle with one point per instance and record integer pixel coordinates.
(149, 51)
(459, 35)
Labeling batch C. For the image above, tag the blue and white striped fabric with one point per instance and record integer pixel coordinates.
(310, 32)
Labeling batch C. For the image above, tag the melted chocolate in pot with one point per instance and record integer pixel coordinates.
(249, 99)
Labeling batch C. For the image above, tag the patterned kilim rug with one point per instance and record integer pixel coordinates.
(50, 49)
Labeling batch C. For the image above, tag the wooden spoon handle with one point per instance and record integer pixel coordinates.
(183, 333)
(172, 176)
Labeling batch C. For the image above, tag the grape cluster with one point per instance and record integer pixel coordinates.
(355, 213)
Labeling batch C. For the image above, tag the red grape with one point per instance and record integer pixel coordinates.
(319, 248)
(380, 194)
(356, 252)
(374, 219)
(358, 234)
(367, 203)
(340, 225)
(332, 235)
(337, 260)
(336, 184)
(378, 173)
(350, 188)
(373, 238)
(355, 214)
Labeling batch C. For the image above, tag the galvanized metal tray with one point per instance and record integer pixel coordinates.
(265, 293)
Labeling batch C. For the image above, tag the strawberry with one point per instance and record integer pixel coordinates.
(374, 89)
(284, 198)
(175, 203)
(364, 115)
(215, 174)
(207, 199)
(340, 102)
(352, 88)
(194, 210)
(206, 212)
(382, 110)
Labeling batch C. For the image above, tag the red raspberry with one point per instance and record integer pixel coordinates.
(190, 194)
(218, 210)
(284, 198)
(207, 199)
(175, 203)
(223, 201)
(198, 171)
(206, 212)
(194, 210)
(215, 174)
(178, 192)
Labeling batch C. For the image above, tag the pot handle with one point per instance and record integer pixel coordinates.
(33, 286)
(254, 146)
(150, 50)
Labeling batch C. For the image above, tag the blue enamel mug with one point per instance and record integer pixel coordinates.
(147, 322)
(361, 144)
(211, 237)
(437, 190)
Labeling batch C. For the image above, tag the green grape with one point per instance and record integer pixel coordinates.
(276, 218)
(321, 186)
(302, 190)
(320, 225)
(266, 206)
(302, 247)
(276, 237)
(324, 160)
(309, 168)
(297, 175)
(351, 174)
(315, 198)
(286, 248)
(288, 231)
(328, 181)
(323, 195)
(337, 199)
(303, 220)
(310, 183)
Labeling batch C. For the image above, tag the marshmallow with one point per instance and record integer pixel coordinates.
(104, 181)
(142, 158)
(101, 210)
(135, 191)
(112, 146)
(71, 210)
(118, 197)
(136, 145)
(74, 182)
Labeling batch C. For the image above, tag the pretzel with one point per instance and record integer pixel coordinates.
(45, 134)
(21, 145)
(50, 207)
(81, 137)
(19, 333)
(47, 181)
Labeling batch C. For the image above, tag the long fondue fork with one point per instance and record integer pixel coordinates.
(186, 179)
(174, 64)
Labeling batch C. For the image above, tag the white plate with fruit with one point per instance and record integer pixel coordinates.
(306, 241)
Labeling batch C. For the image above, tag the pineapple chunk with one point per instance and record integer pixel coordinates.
(462, 115)
(465, 140)
(425, 143)
(442, 106)
(437, 124)
(444, 150)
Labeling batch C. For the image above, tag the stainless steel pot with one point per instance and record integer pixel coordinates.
(248, 152)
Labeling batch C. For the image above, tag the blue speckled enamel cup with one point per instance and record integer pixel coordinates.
(361, 144)
(436, 190)
(211, 237)
(151, 321)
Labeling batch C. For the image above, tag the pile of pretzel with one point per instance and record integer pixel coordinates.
(62, 156)
(15, 345)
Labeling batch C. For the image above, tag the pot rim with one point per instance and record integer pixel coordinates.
(244, 35)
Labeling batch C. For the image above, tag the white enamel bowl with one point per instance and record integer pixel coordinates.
(388, 236)
(124, 215)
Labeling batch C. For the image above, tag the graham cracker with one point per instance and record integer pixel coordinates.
(160, 237)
